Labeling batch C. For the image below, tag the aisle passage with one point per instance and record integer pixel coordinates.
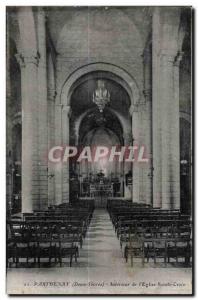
(101, 247)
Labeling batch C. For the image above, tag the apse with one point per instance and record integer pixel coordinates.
(101, 137)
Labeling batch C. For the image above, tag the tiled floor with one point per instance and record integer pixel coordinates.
(100, 269)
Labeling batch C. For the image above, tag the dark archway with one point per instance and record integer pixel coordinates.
(90, 127)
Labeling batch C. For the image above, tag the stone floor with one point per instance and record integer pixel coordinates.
(101, 269)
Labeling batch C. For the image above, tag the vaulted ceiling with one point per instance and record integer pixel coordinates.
(81, 27)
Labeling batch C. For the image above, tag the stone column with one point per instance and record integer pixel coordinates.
(65, 129)
(42, 111)
(51, 143)
(166, 91)
(175, 135)
(30, 186)
(156, 111)
(51, 126)
(141, 142)
(165, 94)
(147, 168)
(58, 142)
(135, 130)
(127, 166)
(170, 133)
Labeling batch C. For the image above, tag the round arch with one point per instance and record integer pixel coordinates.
(116, 73)
(83, 118)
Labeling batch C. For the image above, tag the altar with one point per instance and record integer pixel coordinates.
(100, 188)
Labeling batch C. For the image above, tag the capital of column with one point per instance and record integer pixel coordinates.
(136, 108)
(27, 58)
(131, 110)
(67, 110)
(52, 94)
(167, 57)
(147, 93)
(178, 58)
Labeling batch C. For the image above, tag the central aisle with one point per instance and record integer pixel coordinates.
(101, 247)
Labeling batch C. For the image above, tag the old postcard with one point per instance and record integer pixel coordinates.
(99, 150)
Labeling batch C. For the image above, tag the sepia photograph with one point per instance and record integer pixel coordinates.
(99, 150)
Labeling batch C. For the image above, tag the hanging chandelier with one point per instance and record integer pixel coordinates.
(101, 95)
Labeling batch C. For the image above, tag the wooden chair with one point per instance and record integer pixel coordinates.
(67, 249)
(179, 248)
(134, 249)
(155, 248)
(26, 250)
(46, 248)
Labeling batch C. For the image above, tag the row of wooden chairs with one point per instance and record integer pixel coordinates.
(154, 225)
(120, 215)
(150, 233)
(44, 247)
(183, 231)
(111, 203)
(159, 248)
(79, 225)
(47, 235)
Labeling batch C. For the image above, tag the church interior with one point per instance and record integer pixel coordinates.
(99, 76)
